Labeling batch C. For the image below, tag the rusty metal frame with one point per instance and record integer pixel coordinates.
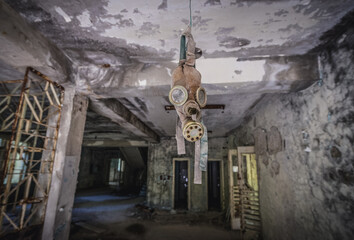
(35, 128)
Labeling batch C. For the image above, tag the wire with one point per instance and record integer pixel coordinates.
(190, 13)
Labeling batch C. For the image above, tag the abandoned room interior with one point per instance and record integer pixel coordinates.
(177, 119)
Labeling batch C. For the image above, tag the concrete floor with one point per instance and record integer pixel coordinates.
(100, 214)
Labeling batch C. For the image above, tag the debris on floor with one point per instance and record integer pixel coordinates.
(103, 215)
(141, 211)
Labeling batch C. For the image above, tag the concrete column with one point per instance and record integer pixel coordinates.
(71, 168)
(66, 164)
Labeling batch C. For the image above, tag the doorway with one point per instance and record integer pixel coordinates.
(181, 188)
(244, 196)
(214, 193)
(116, 172)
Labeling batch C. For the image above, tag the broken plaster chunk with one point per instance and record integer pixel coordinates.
(275, 167)
(307, 149)
(274, 140)
(260, 137)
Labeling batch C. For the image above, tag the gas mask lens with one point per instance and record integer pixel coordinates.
(178, 95)
(201, 97)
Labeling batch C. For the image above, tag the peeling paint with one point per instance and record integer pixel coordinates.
(233, 42)
(142, 83)
(163, 5)
(212, 2)
(84, 19)
(139, 39)
(148, 28)
(62, 13)
(220, 70)
(281, 13)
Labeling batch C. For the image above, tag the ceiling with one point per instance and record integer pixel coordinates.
(126, 50)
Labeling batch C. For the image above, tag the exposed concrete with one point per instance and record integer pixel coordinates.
(23, 46)
(66, 163)
(160, 163)
(114, 143)
(71, 168)
(116, 111)
(306, 189)
(44, 178)
(59, 163)
(127, 52)
(221, 75)
(129, 26)
(102, 128)
(140, 87)
(96, 165)
(275, 143)
(133, 156)
(122, 55)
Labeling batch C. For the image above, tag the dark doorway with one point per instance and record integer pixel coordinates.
(214, 185)
(181, 184)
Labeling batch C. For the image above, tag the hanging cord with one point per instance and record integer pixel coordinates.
(190, 13)
(182, 53)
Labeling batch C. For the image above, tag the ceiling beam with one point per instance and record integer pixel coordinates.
(114, 143)
(280, 74)
(118, 113)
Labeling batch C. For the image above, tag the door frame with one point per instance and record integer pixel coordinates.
(236, 222)
(174, 160)
(240, 151)
(222, 190)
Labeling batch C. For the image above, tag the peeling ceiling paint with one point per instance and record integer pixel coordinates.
(127, 50)
(229, 28)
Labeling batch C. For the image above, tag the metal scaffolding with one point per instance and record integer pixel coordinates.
(32, 108)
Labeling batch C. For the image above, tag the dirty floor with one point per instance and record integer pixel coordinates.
(101, 214)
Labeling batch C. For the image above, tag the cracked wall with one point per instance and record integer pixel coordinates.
(304, 143)
(160, 162)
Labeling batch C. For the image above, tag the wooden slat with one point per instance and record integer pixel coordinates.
(252, 228)
(252, 217)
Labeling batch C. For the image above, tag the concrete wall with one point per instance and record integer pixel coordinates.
(94, 167)
(306, 172)
(160, 162)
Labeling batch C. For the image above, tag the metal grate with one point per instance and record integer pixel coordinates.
(32, 108)
(10, 92)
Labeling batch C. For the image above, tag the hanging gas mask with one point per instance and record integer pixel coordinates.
(187, 94)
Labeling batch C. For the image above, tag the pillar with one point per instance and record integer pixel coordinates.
(66, 166)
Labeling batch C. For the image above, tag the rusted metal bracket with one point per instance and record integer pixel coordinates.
(210, 106)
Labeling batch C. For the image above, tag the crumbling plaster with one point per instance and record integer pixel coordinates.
(127, 50)
(23, 46)
(306, 189)
(140, 24)
(160, 163)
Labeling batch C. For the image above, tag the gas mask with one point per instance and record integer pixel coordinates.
(187, 94)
